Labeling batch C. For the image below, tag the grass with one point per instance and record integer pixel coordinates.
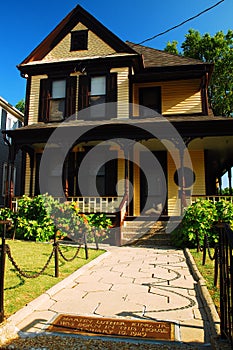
(207, 272)
(31, 257)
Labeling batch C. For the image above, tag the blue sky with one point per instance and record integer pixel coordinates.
(24, 24)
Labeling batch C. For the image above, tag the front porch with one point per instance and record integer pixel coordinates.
(128, 229)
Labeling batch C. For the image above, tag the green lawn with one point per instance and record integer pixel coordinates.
(207, 272)
(31, 257)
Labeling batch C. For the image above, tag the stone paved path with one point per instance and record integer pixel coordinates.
(129, 283)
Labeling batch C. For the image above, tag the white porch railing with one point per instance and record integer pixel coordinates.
(88, 204)
(97, 204)
(214, 198)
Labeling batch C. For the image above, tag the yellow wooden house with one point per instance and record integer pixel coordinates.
(124, 103)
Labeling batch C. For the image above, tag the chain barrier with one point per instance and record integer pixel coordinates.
(68, 259)
(21, 272)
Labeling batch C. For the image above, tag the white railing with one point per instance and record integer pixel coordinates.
(87, 204)
(214, 198)
(97, 204)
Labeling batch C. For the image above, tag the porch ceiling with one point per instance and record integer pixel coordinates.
(219, 151)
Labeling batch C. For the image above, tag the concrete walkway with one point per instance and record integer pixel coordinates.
(127, 283)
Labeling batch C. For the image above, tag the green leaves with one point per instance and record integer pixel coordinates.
(38, 219)
(199, 220)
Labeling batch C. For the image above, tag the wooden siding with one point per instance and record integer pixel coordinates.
(197, 158)
(178, 97)
(199, 170)
(122, 91)
(35, 98)
(96, 47)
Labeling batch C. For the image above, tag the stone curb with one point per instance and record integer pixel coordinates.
(9, 330)
(208, 303)
(205, 295)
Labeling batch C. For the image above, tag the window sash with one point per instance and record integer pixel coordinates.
(98, 86)
(59, 89)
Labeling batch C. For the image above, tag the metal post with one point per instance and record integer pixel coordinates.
(56, 255)
(216, 265)
(223, 319)
(204, 251)
(2, 268)
(85, 245)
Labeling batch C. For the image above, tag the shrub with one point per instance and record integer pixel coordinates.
(32, 220)
(99, 227)
(199, 220)
(40, 217)
(7, 214)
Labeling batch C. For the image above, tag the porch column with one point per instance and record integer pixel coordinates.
(66, 173)
(9, 191)
(182, 191)
(220, 185)
(229, 181)
(32, 160)
(128, 149)
(182, 187)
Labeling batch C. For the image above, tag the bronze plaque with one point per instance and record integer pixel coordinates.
(113, 327)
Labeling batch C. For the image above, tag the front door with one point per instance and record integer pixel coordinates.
(153, 196)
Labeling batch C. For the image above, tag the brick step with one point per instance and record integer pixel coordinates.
(139, 224)
(135, 232)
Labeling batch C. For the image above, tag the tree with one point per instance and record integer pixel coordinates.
(217, 49)
(172, 47)
(21, 105)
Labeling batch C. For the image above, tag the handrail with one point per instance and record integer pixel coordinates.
(123, 208)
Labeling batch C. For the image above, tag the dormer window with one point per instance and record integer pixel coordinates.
(79, 40)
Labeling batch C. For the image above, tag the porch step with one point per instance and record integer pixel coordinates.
(144, 232)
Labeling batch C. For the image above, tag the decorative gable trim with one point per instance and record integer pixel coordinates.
(78, 14)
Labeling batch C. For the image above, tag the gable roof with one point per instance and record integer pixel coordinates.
(157, 58)
(78, 14)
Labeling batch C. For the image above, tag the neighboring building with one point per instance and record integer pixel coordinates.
(10, 119)
(81, 64)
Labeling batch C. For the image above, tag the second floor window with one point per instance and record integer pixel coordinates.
(96, 90)
(97, 96)
(57, 99)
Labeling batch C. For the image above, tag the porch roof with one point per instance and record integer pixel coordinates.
(134, 128)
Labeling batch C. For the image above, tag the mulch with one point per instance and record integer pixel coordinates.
(48, 342)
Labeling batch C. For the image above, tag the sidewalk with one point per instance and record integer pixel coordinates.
(126, 283)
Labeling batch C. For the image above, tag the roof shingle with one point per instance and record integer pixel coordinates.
(157, 58)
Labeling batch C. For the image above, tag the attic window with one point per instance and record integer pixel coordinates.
(79, 40)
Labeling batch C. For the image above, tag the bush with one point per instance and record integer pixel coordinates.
(199, 220)
(99, 227)
(7, 214)
(38, 219)
(32, 220)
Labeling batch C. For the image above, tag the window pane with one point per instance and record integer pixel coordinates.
(98, 86)
(57, 109)
(59, 89)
